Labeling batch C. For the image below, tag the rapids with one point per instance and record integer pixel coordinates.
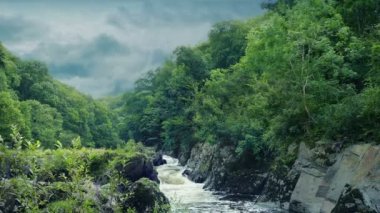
(187, 196)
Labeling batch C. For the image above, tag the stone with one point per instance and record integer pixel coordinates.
(137, 167)
(186, 172)
(358, 200)
(158, 159)
(322, 189)
(145, 196)
(200, 162)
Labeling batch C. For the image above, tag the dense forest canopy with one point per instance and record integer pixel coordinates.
(306, 71)
(43, 109)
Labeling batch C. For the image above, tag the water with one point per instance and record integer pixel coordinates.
(187, 196)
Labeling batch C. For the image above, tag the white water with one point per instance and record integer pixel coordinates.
(187, 196)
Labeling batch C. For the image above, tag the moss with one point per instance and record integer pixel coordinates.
(146, 197)
(84, 180)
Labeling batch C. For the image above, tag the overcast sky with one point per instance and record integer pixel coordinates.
(102, 46)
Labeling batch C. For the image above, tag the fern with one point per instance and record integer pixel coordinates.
(76, 143)
(58, 145)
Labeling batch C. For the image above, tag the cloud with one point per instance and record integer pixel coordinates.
(105, 52)
(167, 13)
(105, 45)
(14, 28)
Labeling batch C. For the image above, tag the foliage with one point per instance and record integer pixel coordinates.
(46, 110)
(66, 180)
(76, 143)
(58, 145)
(304, 71)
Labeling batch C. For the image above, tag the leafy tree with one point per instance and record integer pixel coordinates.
(31, 72)
(47, 110)
(305, 70)
(8, 75)
(192, 62)
(227, 43)
(45, 122)
(361, 15)
(76, 143)
(10, 115)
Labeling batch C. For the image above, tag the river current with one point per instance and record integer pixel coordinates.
(187, 196)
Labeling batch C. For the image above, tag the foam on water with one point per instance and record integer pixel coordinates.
(187, 196)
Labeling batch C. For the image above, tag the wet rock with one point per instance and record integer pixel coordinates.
(320, 188)
(279, 187)
(186, 173)
(137, 167)
(314, 183)
(219, 168)
(158, 160)
(363, 199)
(242, 182)
(200, 162)
(145, 196)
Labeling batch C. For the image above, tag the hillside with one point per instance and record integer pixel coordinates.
(44, 109)
(303, 72)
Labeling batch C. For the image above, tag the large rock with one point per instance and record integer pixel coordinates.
(200, 162)
(137, 167)
(145, 196)
(281, 181)
(218, 167)
(363, 199)
(158, 159)
(319, 187)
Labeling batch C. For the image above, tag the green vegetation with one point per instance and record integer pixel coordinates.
(45, 127)
(305, 71)
(46, 110)
(75, 180)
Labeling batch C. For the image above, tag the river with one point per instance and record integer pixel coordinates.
(187, 196)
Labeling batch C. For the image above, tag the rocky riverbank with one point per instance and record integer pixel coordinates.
(326, 178)
(80, 180)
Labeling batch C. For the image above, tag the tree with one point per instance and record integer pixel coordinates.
(31, 72)
(361, 15)
(10, 115)
(227, 43)
(192, 62)
(45, 122)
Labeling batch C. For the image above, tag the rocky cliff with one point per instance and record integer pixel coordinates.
(355, 174)
(221, 170)
(326, 178)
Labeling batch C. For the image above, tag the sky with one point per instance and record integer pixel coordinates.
(101, 47)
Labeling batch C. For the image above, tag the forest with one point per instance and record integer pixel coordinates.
(304, 72)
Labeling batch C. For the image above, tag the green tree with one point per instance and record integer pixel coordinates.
(227, 43)
(10, 115)
(361, 15)
(45, 122)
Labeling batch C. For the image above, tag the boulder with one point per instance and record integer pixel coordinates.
(279, 186)
(281, 181)
(137, 167)
(219, 168)
(186, 172)
(364, 199)
(303, 198)
(320, 187)
(145, 196)
(158, 160)
(200, 162)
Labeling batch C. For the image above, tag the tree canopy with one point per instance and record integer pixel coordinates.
(303, 72)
